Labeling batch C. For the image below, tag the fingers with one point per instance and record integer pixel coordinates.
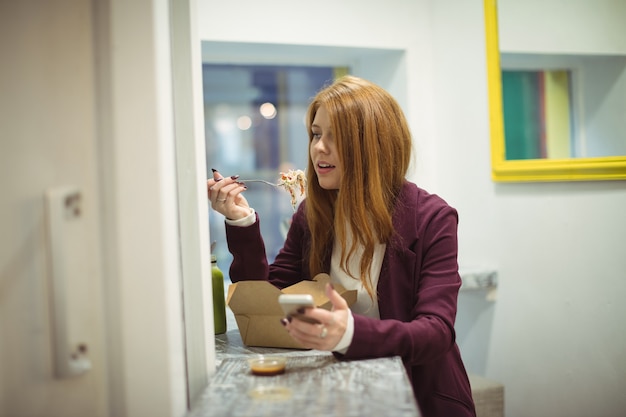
(210, 183)
(216, 175)
(338, 302)
(226, 190)
(219, 191)
(225, 194)
(314, 336)
(329, 330)
(226, 198)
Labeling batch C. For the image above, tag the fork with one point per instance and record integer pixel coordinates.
(263, 181)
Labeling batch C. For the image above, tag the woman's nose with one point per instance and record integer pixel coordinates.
(320, 146)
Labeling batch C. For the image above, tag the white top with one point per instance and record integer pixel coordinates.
(364, 304)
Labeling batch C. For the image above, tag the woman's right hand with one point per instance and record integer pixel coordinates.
(226, 198)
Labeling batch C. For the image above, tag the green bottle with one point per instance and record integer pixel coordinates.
(219, 304)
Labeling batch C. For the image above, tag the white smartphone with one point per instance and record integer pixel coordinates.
(291, 303)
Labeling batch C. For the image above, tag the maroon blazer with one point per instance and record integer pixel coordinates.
(417, 295)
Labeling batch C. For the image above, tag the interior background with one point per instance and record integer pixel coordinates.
(555, 334)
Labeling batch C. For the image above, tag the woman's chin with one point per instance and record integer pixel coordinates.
(328, 186)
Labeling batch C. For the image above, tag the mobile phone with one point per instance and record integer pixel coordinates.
(291, 303)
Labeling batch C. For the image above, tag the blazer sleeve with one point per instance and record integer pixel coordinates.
(250, 258)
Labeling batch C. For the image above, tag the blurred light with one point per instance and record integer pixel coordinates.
(244, 122)
(268, 110)
(223, 125)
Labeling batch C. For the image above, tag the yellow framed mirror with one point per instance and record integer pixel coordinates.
(509, 165)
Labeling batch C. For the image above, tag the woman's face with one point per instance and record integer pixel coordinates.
(323, 150)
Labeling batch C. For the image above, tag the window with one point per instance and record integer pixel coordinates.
(255, 128)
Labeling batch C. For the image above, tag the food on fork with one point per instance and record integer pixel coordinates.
(292, 181)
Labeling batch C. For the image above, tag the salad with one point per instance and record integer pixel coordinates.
(293, 181)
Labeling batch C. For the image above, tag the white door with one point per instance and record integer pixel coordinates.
(47, 139)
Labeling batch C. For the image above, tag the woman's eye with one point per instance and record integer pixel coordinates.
(316, 135)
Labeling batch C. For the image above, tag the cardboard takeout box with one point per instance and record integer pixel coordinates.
(258, 314)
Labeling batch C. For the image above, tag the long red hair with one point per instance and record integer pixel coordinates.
(374, 147)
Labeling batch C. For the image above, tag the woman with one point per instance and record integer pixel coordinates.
(371, 230)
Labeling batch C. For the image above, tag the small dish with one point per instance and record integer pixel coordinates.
(267, 365)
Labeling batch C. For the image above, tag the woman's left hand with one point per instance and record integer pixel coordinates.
(327, 334)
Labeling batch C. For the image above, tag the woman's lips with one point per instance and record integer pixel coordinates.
(323, 168)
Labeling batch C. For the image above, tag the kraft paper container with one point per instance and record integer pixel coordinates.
(256, 309)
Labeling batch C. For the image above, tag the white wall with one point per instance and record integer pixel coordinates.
(563, 26)
(554, 336)
(86, 100)
(140, 213)
(47, 140)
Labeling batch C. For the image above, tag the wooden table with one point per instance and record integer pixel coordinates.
(314, 384)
